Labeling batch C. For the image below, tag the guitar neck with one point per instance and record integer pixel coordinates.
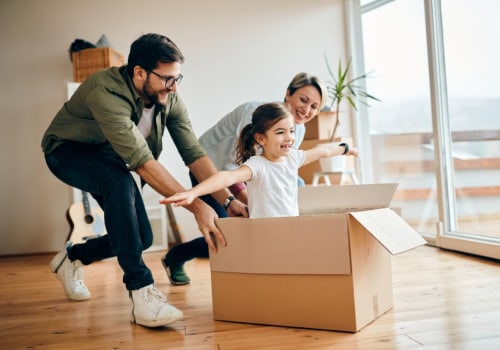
(86, 208)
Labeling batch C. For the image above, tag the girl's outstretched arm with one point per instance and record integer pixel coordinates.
(214, 183)
(324, 150)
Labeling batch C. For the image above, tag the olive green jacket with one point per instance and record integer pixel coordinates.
(106, 109)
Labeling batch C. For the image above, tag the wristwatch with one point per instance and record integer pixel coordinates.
(346, 147)
(228, 201)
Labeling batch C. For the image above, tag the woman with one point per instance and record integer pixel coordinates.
(305, 95)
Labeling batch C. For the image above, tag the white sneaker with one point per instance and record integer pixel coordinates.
(70, 274)
(151, 309)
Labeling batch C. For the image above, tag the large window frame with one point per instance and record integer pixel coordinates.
(447, 235)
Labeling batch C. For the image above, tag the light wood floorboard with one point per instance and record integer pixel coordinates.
(442, 300)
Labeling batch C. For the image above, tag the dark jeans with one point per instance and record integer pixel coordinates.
(105, 176)
(198, 247)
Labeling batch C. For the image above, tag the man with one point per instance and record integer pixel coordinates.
(112, 125)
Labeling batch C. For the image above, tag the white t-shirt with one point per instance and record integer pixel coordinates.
(273, 189)
(146, 121)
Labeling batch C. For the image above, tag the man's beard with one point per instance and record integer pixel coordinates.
(151, 95)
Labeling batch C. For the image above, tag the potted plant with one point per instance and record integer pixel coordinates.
(342, 87)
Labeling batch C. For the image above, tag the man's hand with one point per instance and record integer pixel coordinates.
(204, 215)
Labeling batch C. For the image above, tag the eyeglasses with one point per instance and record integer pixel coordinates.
(169, 81)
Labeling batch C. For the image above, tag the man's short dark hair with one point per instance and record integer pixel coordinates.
(151, 49)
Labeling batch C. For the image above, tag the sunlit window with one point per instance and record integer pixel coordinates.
(407, 134)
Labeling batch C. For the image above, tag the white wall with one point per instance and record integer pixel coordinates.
(236, 51)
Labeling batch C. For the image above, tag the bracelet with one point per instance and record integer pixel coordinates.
(346, 147)
(228, 201)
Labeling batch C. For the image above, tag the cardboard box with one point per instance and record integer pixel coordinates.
(88, 61)
(329, 268)
(320, 127)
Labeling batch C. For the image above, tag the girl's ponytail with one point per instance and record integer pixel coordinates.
(246, 145)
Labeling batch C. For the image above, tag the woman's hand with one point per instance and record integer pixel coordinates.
(237, 208)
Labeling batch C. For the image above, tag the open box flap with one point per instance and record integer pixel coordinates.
(389, 229)
(342, 199)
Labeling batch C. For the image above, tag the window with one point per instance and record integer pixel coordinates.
(435, 132)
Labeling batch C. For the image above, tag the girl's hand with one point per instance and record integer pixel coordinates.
(179, 199)
(352, 152)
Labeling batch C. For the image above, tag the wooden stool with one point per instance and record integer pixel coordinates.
(326, 177)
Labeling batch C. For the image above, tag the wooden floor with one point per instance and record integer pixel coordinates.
(442, 300)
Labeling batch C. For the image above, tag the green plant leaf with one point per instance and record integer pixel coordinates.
(339, 87)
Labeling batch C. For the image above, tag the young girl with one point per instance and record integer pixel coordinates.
(268, 164)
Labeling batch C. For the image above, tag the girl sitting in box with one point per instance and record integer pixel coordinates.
(268, 165)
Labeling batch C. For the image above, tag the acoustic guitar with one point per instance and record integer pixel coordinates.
(86, 221)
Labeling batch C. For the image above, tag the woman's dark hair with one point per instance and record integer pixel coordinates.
(263, 118)
(149, 50)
